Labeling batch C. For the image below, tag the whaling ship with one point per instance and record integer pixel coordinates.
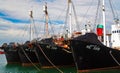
(91, 53)
(11, 52)
(21, 53)
(27, 51)
(53, 52)
(48, 52)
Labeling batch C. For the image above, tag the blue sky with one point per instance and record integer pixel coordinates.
(15, 20)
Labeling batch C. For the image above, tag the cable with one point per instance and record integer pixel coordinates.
(73, 54)
(112, 9)
(114, 58)
(86, 12)
(76, 20)
(96, 16)
(30, 60)
(49, 60)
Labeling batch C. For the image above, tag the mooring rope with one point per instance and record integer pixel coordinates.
(66, 51)
(49, 60)
(73, 54)
(30, 60)
(114, 58)
(37, 56)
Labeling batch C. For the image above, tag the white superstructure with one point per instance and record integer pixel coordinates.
(115, 37)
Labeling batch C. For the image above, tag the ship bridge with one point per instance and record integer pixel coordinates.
(115, 38)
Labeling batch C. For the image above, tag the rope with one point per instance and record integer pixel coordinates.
(30, 60)
(51, 26)
(35, 31)
(112, 6)
(60, 15)
(114, 58)
(37, 56)
(74, 59)
(86, 13)
(76, 19)
(49, 60)
(66, 27)
(96, 15)
(66, 51)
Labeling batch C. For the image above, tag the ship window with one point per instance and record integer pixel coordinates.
(112, 31)
(119, 31)
(115, 31)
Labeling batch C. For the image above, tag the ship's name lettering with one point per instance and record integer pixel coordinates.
(93, 47)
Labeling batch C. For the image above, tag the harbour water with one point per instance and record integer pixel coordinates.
(17, 68)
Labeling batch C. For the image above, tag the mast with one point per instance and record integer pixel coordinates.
(104, 25)
(46, 19)
(31, 17)
(70, 18)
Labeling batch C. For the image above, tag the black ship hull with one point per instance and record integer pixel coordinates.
(27, 55)
(11, 54)
(90, 54)
(51, 54)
